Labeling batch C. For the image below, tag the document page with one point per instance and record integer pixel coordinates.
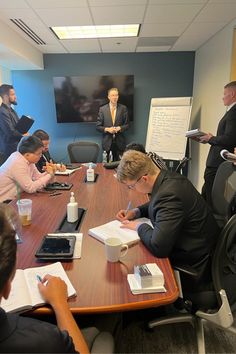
(19, 298)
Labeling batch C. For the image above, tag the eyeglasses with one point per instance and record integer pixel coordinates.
(38, 153)
(132, 186)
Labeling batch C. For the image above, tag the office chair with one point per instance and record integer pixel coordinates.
(224, 193)
(98, 342)
(2, 158)
(219, 302)
(182, 164)
(83, 151)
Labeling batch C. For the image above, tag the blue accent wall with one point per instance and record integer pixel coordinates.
(165, 74)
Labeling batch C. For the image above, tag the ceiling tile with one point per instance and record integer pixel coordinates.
(171, 13)
(49, 4)
(117, 15)
(110, 45)
(65, 17)
(162, 29)
(18, 13)
(166, 2)
(82, 45)
(193, 42)
(116, 2)
(153, 49)
(217, 13)
(156, 41)
(204, 29)
(19, 4)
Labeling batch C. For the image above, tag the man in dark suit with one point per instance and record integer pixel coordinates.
(112, 122)
(225, 139)
(10, 137)
(184, 229)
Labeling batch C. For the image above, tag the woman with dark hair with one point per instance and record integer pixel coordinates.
(19, 172)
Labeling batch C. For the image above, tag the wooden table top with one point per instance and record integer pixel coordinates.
(101, 286)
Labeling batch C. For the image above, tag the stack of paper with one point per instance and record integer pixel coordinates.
(137, 289)
(194, 134)
(66, 172)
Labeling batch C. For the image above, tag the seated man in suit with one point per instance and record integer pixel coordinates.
(184, 228)
(26, 335)
(46, 157)
(19, 173)
(112, 122)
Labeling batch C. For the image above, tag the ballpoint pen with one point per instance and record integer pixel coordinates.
(39, 278)
(54, 194)
(128, 207)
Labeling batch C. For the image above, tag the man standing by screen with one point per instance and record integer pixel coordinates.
(112, 121)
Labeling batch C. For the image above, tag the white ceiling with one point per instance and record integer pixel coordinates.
(166, 25)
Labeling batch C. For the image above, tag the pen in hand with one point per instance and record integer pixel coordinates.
(40, 280)
(128, 208)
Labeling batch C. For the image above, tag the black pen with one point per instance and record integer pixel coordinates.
(53, 194)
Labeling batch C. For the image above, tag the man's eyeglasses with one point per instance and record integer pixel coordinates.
(132, 186)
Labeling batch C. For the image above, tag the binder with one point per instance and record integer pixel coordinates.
(24, 124)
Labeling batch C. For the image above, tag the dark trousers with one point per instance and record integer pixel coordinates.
(116, 152)
(209, 177)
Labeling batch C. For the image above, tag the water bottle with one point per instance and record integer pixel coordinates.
(110, 157)
(104, 157)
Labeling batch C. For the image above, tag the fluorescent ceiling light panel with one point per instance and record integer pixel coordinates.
(106, 31)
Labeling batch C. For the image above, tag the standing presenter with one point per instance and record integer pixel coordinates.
(112, 121)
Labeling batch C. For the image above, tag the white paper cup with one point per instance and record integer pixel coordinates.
(115, 249)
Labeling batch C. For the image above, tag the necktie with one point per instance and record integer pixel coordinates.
(113, 115)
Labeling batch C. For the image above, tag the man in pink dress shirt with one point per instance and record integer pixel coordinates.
(19, 171)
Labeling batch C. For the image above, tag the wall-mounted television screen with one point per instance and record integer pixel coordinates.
(78, 98)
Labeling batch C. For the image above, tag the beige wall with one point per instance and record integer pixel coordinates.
(212, 72)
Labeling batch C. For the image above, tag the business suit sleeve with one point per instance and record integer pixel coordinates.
(100, 121)
(228, 139)
(125, 120)
(7, 127)
(168, 219)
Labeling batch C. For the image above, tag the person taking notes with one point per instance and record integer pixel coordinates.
(26, 335)
(18, 173)
(184, 228)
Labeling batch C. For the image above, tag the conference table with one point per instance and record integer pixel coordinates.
(101, 286)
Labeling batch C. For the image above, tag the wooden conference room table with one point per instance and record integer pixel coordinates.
(101, 286)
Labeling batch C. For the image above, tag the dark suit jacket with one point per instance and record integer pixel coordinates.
(224, 139)
(104, 120)
(184, 228)
(46, 157)
(26, 335)
(10, 137)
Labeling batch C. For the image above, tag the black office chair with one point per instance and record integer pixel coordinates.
(2, 158)
(224, 193)
(219, 302)
(182, 164)
(83, 151)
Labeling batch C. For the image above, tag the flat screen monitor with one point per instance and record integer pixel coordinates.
(78, 98)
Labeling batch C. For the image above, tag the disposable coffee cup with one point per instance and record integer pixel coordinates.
(114, 249)
(25, 211)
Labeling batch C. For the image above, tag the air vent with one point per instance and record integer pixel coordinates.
(27, 30)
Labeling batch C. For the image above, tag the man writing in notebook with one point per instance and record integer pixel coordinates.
(225, 139)
(183, 227)
(26, 335)
(10, 137)
(112, 121)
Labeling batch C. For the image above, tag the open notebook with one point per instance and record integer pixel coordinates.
(25, 294)
(113, 229)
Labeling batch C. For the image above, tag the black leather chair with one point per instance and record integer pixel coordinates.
(2, 158)
(216, 305)
(83, 151)
(224, 193)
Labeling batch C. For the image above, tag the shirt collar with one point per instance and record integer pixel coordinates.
(230, 106)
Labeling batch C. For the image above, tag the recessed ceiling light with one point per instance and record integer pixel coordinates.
(106, 31)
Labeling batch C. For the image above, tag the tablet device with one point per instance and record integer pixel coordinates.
(58, 186)
(72, 166)
(53, 247)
